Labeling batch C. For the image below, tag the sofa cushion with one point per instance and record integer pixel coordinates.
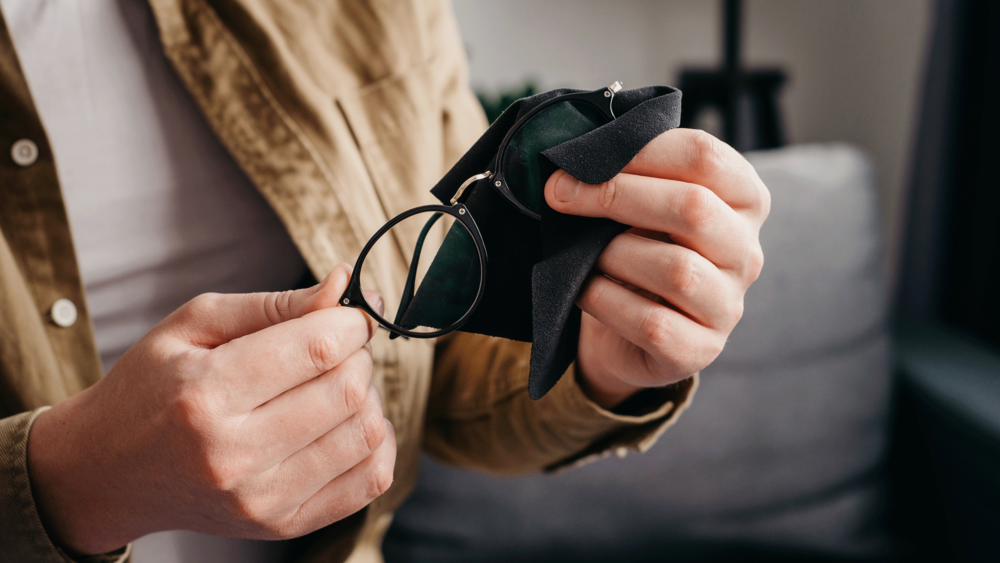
(781, 447)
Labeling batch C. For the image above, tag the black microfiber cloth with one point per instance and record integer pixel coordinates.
(537, 268)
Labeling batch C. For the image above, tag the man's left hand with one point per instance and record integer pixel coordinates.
(666, 294)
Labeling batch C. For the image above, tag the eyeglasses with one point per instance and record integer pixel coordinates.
(446, 279)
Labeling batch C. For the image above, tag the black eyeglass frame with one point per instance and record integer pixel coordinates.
(354, 297)
(600, 99)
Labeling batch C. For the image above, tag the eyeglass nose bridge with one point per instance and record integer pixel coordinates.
(469, 182)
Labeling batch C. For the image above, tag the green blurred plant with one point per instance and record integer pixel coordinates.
(495, 104)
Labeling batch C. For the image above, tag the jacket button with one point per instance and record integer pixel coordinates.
(24, 152)
(63, 313)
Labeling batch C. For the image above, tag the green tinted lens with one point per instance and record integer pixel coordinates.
(552, 126)
(443, 275)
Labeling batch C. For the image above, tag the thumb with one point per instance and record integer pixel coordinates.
(213, 319)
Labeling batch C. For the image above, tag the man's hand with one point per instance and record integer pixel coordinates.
(241, 415)
(669, 291)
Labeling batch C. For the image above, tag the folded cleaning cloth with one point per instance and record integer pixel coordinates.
(537, 268)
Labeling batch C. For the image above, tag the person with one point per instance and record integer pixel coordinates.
(239, 401)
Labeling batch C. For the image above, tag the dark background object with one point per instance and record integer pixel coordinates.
(970, 297)
(945, 460)
(945, 466)
(747, 100)
(951, 261)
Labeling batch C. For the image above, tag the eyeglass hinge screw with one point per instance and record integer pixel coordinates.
(461, 211)
(607, 93)
(346, 301)
(497, 183)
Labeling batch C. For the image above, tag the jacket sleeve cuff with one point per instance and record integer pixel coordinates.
(21, 532)
(635, 425)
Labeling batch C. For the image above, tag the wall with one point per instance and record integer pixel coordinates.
(855, 65)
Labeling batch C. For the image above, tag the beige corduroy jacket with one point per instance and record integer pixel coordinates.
(343, 113)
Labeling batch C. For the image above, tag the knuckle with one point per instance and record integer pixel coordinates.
(260, 514)
(371, 428)
(698, 208)
(594, 293)
(708, 153)
(204, 305)
(222, 475)
(211, 455)
(607, 194)
(281, 525)
(756, 194)
(702, 353)
(367, 362)
(255, 511)
(194, 411)
(378, 480)
(765, 200)
(279, 307)
(656, 328)
(197, 309)
(711, 351)
(754, 263)
(355, 391)
(684, 274)
(734, 312)
(324, 350)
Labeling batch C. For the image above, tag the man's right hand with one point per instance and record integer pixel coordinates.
(250, 415)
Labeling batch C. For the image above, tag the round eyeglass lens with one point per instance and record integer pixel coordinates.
(554, 125)
(442, 272)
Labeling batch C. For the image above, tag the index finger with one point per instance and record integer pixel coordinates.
(273, 360)
(696, 157)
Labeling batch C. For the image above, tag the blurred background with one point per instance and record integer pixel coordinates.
(855, 413)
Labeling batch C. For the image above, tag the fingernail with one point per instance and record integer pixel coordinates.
(566, 188)
(380, 306)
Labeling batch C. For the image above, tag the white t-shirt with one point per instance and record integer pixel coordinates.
(158, 209)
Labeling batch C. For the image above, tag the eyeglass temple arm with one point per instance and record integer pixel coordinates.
(411, 276)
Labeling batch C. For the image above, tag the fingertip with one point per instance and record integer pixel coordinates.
(333, 286)
(339, 272)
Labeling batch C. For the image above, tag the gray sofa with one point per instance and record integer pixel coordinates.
(781, 451)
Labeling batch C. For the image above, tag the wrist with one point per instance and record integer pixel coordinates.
(606, 391)
(74, 508)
